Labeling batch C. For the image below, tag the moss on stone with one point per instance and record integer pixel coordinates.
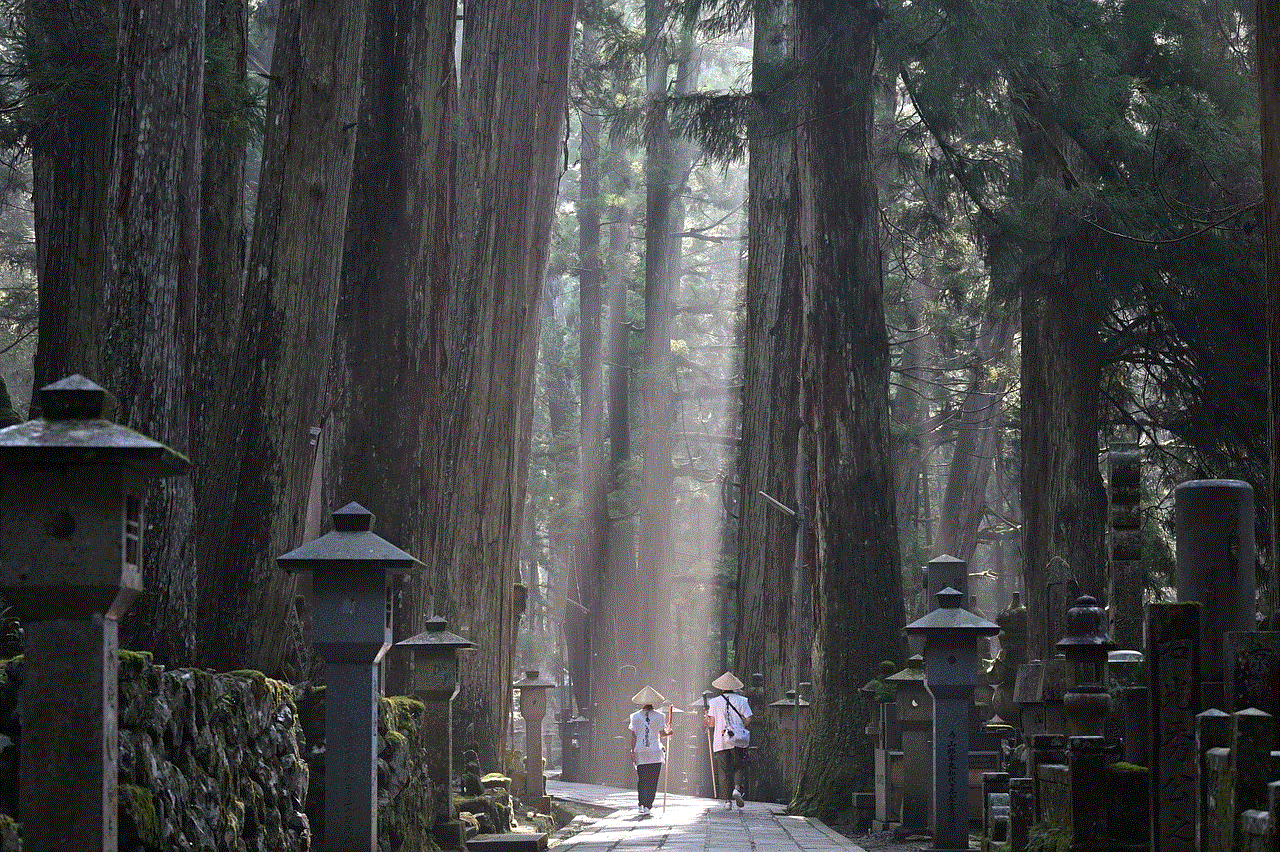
(138, 816)
(1123, 766)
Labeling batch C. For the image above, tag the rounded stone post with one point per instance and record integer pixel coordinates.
(71, 488)
(350, 571)
(1215, 566)
(433, 680)
(951, 672)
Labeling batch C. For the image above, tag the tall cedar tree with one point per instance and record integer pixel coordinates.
(150, 280)
(660, 278)
(260, 479)
(858, 611)
(510, 126)
(388, 354)
(767, 611)
(1268, 48)
(592, 549)
(69, 65)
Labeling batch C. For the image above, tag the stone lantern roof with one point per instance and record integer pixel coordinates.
(436, 638)
(74, 431)
(351, 546)
(950, 617)
(534, 680)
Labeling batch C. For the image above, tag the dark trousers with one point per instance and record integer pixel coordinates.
(647, 782)
(731, 764)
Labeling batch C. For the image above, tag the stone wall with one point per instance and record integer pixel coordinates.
(230, 763)
(207, 762)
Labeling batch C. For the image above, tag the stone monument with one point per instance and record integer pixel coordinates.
(533, 708)
(71, 489)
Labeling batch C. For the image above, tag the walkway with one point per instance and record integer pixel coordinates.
(689, 824)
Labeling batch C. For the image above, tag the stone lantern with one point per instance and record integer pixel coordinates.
(351, 570)
(793, 718)
(533, 707)
(71, 488)
(915, 718)
(433, 680)
(1085, 646)
(951, 670)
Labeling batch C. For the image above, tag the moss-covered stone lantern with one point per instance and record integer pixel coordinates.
(1086, 646)
(71, 494)
(533, 707)
(351, 570)
(433, 679)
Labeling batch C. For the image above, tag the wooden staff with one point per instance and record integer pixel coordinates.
(667, 777)
(711, 757)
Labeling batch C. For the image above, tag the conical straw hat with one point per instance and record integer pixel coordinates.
(727, 682)
(648, 695)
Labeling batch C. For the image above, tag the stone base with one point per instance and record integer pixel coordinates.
(879, 825)
(508, 842)
(449, 835)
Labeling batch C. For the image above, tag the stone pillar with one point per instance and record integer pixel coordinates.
(1124, 495)
(1252, 732)
(1173, 673)
(1021, 813)
(1087, 759)
(950, 654)
(533, 708)
(994, 784)
(71, 525)
(1213, 730)
(1215, 559)
(947, 572)
(351, 629)
(1251, 668)
(1134, 706)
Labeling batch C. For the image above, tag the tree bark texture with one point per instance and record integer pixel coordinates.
(1064, 511)
(594, 524)
(70, 139)
(660, 278)
(767, 612)
(1268, 46)
(150, 280)
(858, 613)
(286, 336)
(510, 126)
(389, 335)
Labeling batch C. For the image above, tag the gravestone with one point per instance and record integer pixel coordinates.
(915, 718)
(1215, 566)
(1136, 716)
(1251, 671)
(1124, 495)
(533, 709)
(950, 653)
(1087, 758)
(1173, 682)
(1021, 813)
(71, 489)
(1213, 730)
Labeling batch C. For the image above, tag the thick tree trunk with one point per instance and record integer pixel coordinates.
(388, 343)
(70, 141)
(616, 583)
(510, 126)
(858, 612)
(1268, 45)
(657, 475)
(150, 278)
(1063, 500)
(964, 502)
(594, 524)
(286, 335)
(767, 611)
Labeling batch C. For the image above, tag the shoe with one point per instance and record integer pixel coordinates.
(728, 806)
(737, 798)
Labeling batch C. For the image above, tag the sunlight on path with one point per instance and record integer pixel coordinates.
(691, 824)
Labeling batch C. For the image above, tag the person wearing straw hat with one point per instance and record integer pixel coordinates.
(647, 732)
(729, 717)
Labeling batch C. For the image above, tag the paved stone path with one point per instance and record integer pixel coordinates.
(689, 824)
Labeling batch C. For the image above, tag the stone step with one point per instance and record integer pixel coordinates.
(508, 842)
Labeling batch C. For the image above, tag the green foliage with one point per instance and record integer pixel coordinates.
(234, 107)
(1048, 838)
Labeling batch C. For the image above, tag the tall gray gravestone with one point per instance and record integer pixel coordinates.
(1215, 566)
(951, 670)
(350, 570)
(1173, 691)
(71, 489)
